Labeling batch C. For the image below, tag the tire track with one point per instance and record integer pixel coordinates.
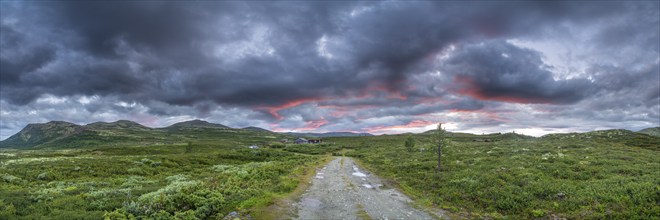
(341, 190)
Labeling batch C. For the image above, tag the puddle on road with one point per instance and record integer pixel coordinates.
(356, 172)
(369, 186)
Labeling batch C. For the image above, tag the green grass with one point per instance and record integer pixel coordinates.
(595, 177)
(316, 149)
(165, 181)
(207, 173)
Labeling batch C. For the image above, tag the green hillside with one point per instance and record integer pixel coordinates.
(194, 124)
(258, 129)
(609, 174)
(62, 135)
(38, 134)
(119, 170)
(651, 131)
(118, 125)
(619, 136)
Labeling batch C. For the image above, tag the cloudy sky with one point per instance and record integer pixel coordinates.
(378, 67)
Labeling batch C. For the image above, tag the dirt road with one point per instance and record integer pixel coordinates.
(341, 190)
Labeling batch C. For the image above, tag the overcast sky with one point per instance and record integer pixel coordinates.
(378, 67)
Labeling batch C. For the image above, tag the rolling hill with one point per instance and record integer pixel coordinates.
(558, 174)
(194, 124)
(36, 134)
(623, 136)
(258, 129)
(59, 134)
(651, 131)
(120, 125)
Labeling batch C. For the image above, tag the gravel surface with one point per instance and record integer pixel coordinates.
(341, 190)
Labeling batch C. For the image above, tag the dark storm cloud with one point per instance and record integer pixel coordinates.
(395, 40)
(18, 57)
(632, 93)
(286, 60)
(170, 43)
(67, 78)
(497, 70)
(173, 45)
(631, 29)
(153, 25)
(615, 78)
(25, 63)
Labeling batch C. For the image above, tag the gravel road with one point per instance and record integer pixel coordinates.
(341, 190)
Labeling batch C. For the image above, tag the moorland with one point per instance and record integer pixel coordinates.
(201, 170)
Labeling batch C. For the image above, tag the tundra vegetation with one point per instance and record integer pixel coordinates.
(410, 144)
(210, 173)
(596, 175)
(168, 181)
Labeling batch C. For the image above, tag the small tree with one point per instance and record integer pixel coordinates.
(189, 148)
(441, 140)
(410, 144)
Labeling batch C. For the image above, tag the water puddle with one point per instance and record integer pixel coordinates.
(359, 174)
(356, 172)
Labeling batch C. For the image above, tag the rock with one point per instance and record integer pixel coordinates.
(561, 195)
(43, 176)
(232, 216)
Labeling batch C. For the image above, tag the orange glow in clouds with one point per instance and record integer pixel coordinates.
(412, 124)
(341, 110)
(274, 110)
(313, 125)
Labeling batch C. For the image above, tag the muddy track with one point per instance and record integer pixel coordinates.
(341, 190)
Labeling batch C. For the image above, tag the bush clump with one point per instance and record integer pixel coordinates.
(11, 179)
(43, 176)
(181, 197)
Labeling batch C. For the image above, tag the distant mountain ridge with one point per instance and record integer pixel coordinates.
(329, 134)
(57, 132)
(194, 124)
(34, 134)
(65, 134)
(257, 129)
(121, 124)
(655, 131)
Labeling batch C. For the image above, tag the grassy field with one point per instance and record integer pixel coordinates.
(576, 176)
(166, 181)
(210, 173)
